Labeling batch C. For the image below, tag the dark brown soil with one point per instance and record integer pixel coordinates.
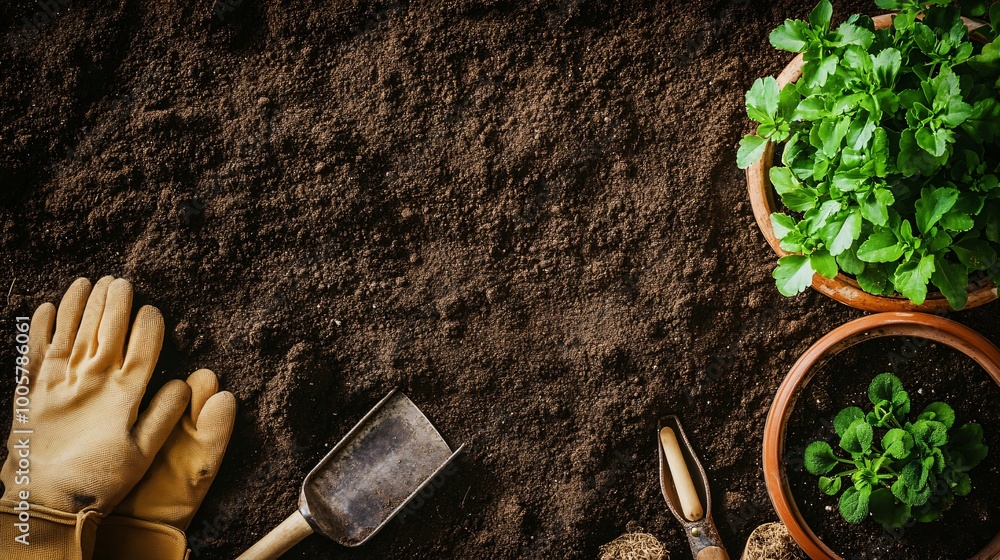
(929, 372)
(526, 215)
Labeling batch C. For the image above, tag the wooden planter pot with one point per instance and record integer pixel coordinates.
(842, 287)
(936, 329)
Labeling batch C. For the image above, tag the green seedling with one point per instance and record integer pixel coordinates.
(890, 150)
(894, 468)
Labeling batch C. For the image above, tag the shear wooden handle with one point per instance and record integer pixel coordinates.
(280, 539)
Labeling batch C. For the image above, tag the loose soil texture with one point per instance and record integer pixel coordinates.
(526, 215)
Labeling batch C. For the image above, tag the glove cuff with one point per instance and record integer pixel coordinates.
(29, 532)
(126, 538)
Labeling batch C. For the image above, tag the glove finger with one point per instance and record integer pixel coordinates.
(203, 385)
(215, 426)
(114, 323)
(68, 319)
(143, 347)
(153, 427)
(86, 335)
(40, 337)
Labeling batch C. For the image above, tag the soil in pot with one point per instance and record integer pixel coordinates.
(930, 372)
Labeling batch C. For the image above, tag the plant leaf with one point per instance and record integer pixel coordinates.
(914, 160)
(783, 180)
(793, 275)
(821, 15)
(902, 492)
(849, 262)
(782, 224)
(788, 101)
(819, 458)
(952, 280)
(847, 181)
(923, 493)
(762, 100)
(983, 123)
(912, 486)
(880, 152)
(939, 460)
(886, 66)
(901, 403)
(932, 510)
(823, 263)
(888, 511)
(874, 279)
(881, 247)
(967, 448)
(911, 474)
(800, 200)
(790, 36)
(854, 504)
(932, 141)
(976, 254)
(845, 418)
(751, 149)
(816, 73)
(857, 438)
(819, 216)
(928, 434)
(957, 221)
(834, 133)
(851, 34)
(897, 443)
(911, 278)
(939, 412)
(875, 206)
(840, 236)
(830, 486)
(932, 205)
(811, 108)
(883, 388)
(962, 484)
(859, 138)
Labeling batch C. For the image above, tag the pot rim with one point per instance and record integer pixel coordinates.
(842, 288)
(920, 325)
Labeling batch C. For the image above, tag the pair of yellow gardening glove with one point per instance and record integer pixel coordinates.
(87, 476)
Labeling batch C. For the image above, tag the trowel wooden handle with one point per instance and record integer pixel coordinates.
(280, 539)
(713, 553)
(686, 493)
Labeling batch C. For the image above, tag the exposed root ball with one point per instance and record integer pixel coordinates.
(634, 546)
(771, 541)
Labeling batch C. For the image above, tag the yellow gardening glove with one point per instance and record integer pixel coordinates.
(88, 445)
(150, 522)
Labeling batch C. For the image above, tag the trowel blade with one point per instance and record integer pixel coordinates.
(373, 472)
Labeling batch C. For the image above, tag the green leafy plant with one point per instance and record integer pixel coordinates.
(896, 469)
(890, 150)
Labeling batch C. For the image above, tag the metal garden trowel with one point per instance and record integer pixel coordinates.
(379, 466)
(689, 497)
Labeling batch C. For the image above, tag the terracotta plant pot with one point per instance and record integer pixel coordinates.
(842, 287)
(936, 329)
